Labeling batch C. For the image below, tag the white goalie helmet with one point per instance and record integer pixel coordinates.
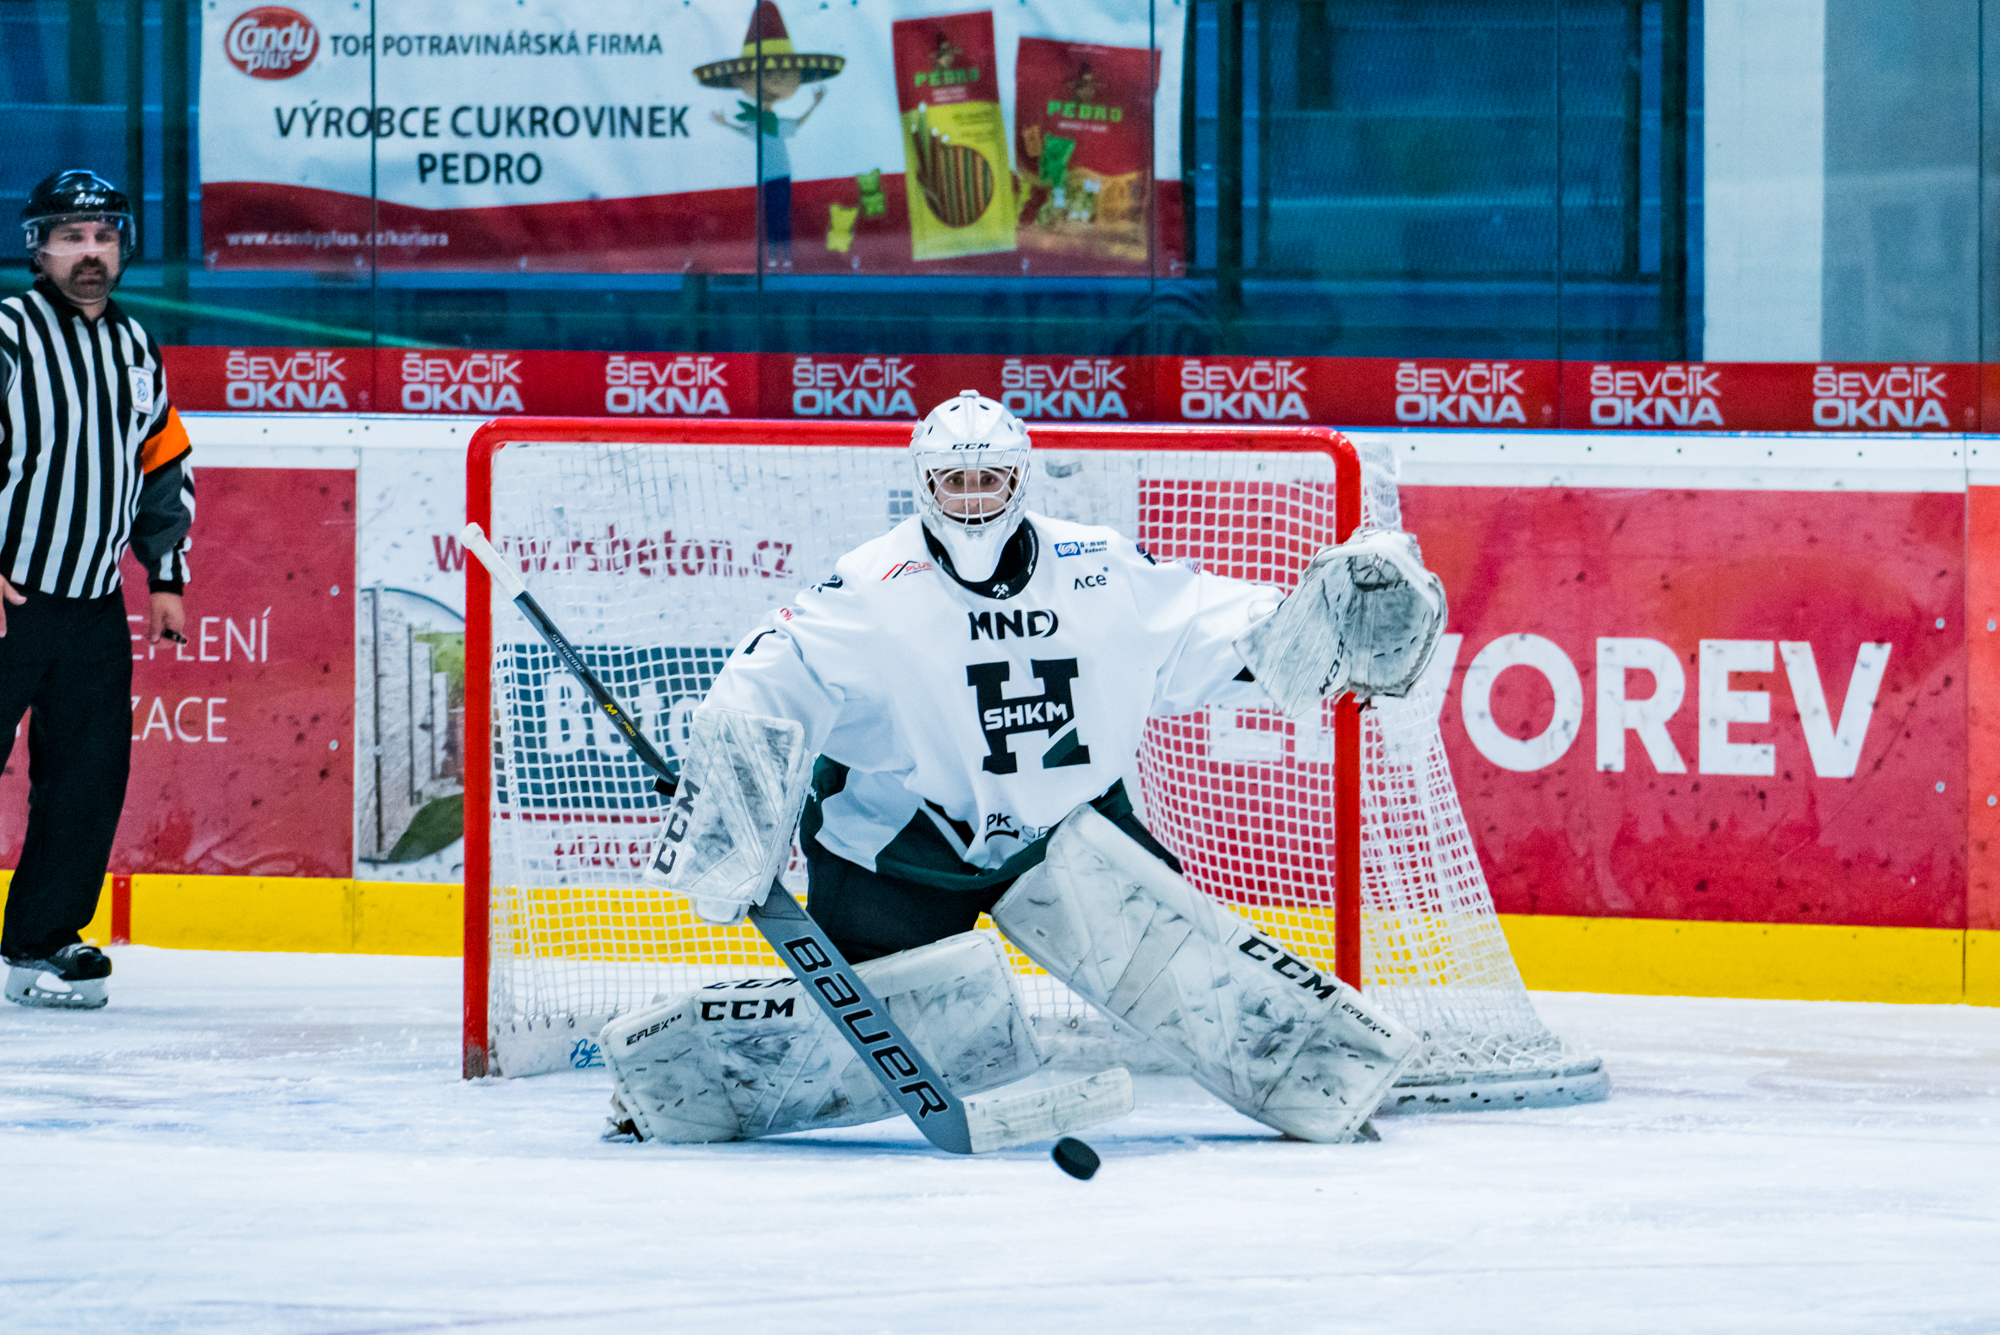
(971, 457)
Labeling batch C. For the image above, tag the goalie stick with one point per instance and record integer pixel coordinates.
(952, 1124)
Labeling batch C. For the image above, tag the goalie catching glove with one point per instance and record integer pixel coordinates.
(1366, 617)
(728, 833)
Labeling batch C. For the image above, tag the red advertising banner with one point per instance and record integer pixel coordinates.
(1770, 396)
(241, 754)
(1241, 389)
(1325, 391)
(1358, 391)
(456, 382)
(1729, 705)
(1087, 389)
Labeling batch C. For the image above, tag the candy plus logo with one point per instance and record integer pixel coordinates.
(271, 42)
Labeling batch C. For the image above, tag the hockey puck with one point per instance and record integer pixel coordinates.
(1075, 1158)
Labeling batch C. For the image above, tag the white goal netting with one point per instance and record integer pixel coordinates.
(657, 559)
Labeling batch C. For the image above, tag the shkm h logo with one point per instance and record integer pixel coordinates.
(271, 42)
(1051, 712)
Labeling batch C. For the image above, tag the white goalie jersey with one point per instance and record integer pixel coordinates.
(995, 717)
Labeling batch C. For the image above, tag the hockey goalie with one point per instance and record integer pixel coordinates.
(943, 723)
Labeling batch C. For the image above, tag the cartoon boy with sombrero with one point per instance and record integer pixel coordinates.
(770, 71)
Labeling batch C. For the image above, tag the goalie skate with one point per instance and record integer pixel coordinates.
(741, 1060)
(70, 979)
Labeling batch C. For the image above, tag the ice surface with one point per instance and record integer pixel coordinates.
(280, 1143)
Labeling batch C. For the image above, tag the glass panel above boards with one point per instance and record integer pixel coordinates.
(1625, 180)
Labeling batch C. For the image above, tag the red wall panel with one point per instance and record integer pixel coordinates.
(1835, 570)
(242, 759)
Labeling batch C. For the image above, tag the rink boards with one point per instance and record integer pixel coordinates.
(1715, 714)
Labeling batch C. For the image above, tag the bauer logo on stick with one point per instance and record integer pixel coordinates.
(845, 1000)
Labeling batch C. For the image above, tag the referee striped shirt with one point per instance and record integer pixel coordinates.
(92, 456)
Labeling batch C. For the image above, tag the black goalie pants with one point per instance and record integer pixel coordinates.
(70, 661)
(869, 914)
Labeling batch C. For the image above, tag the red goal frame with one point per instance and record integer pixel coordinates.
(751, 433)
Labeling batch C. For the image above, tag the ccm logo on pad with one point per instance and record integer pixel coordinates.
(677, 827)
(1288, 967)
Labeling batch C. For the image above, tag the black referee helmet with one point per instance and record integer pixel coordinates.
(76, 195)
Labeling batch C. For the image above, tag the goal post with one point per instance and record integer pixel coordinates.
(658, 545)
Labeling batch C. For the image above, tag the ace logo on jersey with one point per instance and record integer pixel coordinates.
(1050, 712)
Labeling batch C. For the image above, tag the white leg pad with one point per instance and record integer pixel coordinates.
(1265, 1032)
(739, 1060)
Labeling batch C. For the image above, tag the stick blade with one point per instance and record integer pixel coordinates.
(1008, 1120)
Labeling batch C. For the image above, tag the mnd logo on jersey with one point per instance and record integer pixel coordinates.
(1050, 712)
(1038, 624)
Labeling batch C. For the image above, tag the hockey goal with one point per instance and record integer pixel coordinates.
(657, 546)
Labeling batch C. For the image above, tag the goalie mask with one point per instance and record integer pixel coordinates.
(971, 457)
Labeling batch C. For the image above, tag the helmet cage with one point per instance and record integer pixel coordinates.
(971, 438)
(989, 487)
(975, 540)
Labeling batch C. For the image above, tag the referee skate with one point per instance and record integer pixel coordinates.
(72, 978)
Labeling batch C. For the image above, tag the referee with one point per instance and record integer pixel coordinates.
(92, 460)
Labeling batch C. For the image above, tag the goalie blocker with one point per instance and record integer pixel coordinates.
(729, 831)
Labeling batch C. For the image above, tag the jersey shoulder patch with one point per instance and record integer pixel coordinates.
(1066, 538)
(897, 555)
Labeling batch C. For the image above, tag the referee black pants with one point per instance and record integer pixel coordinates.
(70, 661)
